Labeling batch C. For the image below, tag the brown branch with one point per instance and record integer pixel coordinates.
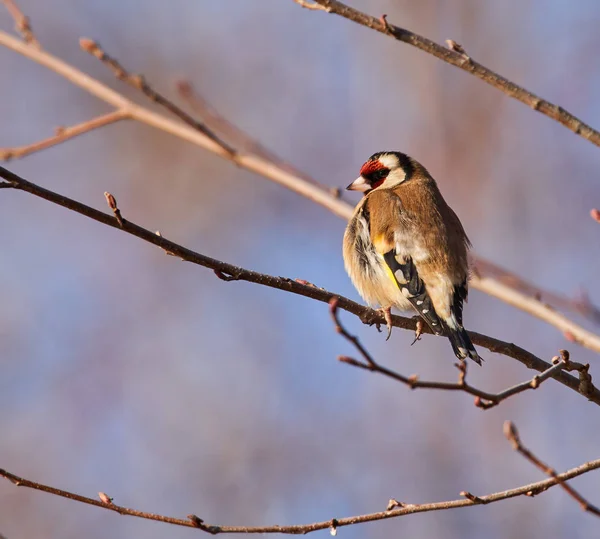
(483, 399)
(63, 134)
(512, 434)
(397, 509)
(22, 23)
(467, 64)
(199, 135)
(583, 385)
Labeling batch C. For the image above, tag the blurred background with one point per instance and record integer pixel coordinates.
(130, 372)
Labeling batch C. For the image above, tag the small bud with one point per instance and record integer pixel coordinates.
(88, 45)
(394, 504)
(110, 200)
(196, 520)
(512, 434)
(104, 498)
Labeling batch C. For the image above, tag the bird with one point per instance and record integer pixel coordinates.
(404, 247)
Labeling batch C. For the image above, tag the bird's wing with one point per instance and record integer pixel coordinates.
(387, 225)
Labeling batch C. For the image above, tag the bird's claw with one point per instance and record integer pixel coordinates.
(387, 314)
(418, 330)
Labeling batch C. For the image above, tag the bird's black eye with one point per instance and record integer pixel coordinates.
(380, 174)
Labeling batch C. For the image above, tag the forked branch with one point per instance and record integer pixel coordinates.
(483, 399)
(512, 434)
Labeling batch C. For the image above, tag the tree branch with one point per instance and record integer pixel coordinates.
(230, 272)
(512, 434)
(466, 63)
(63, 134)
(483, 399)
(397, 509)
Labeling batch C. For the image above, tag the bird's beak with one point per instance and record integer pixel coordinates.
(360, 184)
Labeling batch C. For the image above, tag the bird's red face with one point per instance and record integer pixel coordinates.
(381, 170)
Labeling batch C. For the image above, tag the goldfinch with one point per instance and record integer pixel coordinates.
(404, 247)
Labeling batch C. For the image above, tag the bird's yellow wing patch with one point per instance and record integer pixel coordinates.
(382, 246)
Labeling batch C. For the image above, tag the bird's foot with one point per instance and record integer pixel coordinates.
(418, 329)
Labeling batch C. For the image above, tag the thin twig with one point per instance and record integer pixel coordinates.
(195, 133)
(467, 64)
(512, 434)
(366, 315)
(63, 134)
(396, 510)
(483, 399)
(139, 83)
(22, 23)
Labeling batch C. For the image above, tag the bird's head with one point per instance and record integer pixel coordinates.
(383, 170)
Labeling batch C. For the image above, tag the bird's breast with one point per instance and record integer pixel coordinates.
(367, 268)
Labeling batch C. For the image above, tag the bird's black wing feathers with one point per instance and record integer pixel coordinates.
(460, 295)
(413, 289)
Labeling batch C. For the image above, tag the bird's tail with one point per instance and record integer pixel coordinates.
(462, 345)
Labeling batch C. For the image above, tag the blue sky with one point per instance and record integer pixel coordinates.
(130, 372)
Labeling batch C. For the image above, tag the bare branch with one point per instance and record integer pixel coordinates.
(22, 23)
(63, 134)
(230, 272)
(395, 509)
(483, 399)
(460, 60)
(198, 134)
(512, 434)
